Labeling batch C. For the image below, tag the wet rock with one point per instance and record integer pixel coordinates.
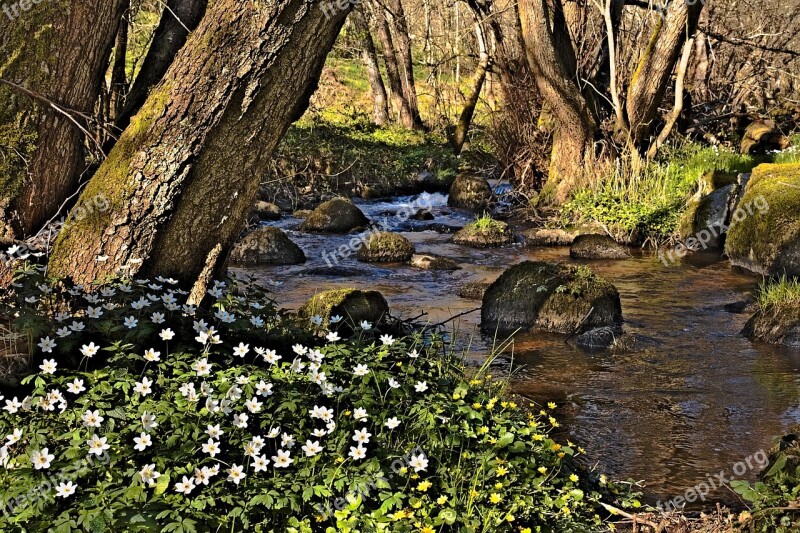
(764, 236)
(335, 216)
(433, 262)
(423, 214)
(761, 137)
(473, 291)
(442, 228)
(596, 339)
(440, 181)
(267, 211)
(351, 304)
(302, 213)
(597, 247)
(775, 326)
(385, 247)
(549, 297)
(484, 233)
(705, 221)
(741, 307)
(470, 191)
(267, 246)
(334, 271)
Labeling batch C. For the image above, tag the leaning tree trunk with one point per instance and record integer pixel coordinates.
(184, 176)
(551, 60)
(54, 57)
(468, 112)
(651, 79)
(370, 58)
(399, 101)
(179, 18)
(399, 25)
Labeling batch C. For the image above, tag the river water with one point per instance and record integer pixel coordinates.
(690, 398)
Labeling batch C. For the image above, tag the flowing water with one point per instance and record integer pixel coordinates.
(690, 399)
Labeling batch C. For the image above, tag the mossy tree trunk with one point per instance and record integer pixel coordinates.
(179, 18)
(552, 61)
(651, 79)
(184, 176)
(54, 55)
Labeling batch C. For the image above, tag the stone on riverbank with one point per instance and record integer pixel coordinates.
(267, 246)
(775, 326)
(764, 236)
(267, 211)
(597, 247)
(353, 305)
(335, 216)
(549, 297)
(704, 222)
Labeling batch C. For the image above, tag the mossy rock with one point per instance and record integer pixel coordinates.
(764, 236)
(267, 246)
(706, 218)
(335, 216)
(267, 211)
(433, 262)
(439, 181)
(483, 234)
(549, 297)
(386, 247)
(549, 237)
(775, 326)
(353, 305)
(470, 191)
(715, 179)
(597, 247)
(473, 291)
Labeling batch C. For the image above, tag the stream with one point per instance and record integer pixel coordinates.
(689, 400)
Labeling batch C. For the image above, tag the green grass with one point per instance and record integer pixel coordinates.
(648, 202)
(778, 294)
(486, 223)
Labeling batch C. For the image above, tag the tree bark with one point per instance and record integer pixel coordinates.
(651, 78)
(55, 55)
(399, 102)
(119, 77)
(184, 176)
(551, 60)
(396, 16)
(465, 120)
(370, 58)
(180, 17)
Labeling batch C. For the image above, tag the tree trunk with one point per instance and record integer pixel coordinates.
(54, 58)
(119, 77)
(465, 120)
(180, 17)
(551, 60)
(184, 176)
(402, 49)
(399, 102)
(370, 58)
(651, 78)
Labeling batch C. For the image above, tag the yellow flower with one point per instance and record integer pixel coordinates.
(404, 471)
(551, 405)
(501, 471)
(466, 455)
(498, 486)
(441, 500)
(542, 470)
(423, 486)
(525, 530)
(565, 510)
(417, 504)
(339, 459)
(510, 518)
(475, 382)
(580, 449)
(503, 404)
(476, 405)
(456, 396)
(399, 363)
(427, 529)
(483, 430)
(347, 413)
(538, 437)
(492, 440)
(513, 405)
(573, 478)
(399, 515)
(555, 447)
(553, 421)
(561, 455)
(744, 516)
(495, 498)
(603, 479)
(474, 493)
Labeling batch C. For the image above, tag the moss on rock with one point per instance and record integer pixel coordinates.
(386, 247)
(267, 246)
(545, 296)
(597, 247)
(351, 304)
(764, 236)
(484, 233)
(470, 191)
(433, 262)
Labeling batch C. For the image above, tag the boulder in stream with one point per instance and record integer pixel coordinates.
(267, 211)
(484, 233)
(385, 247)
(433, 262)
(550, 297)
(267, 246)
(335, 216)
(470, 191)
(353, 305)
(764, 236)
(705, 221)
(775, 326)
(597, 247)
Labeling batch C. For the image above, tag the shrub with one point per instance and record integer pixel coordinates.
(150, 414)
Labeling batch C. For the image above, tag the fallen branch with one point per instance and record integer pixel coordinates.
(585, 319)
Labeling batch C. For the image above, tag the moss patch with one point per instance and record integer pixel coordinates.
(484, 233)
(385, 247)
(351, 304)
